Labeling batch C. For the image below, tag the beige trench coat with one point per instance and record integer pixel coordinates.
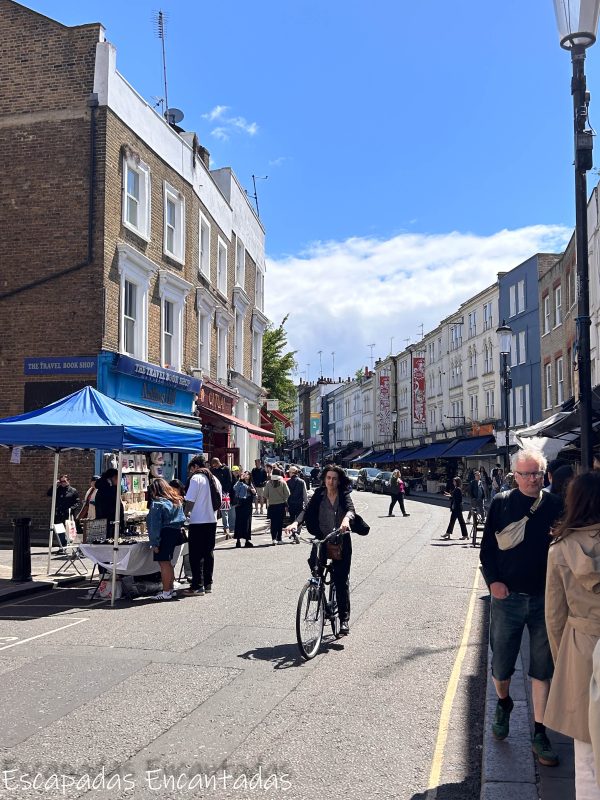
(573, 623)
(595, 710)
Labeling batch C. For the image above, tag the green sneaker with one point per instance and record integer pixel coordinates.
(543, 750)
(501, 721)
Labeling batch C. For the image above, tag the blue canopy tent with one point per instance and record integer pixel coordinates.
(89, 419)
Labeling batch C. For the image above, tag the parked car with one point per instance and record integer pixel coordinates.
(352, 475)
(381, 483)
(366, 476)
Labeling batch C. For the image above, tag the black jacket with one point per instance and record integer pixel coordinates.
(225, 478)
(106, 502)
(67, 499)
(311, 514)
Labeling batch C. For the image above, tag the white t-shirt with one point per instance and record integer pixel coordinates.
(198, 493)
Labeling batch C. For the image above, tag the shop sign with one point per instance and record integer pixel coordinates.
(418, 370)
(215, 401)
(61, 365)
(155, 374)
(315, 423)
(384, 406)
(482, 430)
(272, 405)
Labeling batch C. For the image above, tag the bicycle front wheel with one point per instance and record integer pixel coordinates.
(310, 619)
(334, 614)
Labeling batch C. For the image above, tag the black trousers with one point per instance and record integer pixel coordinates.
(340, 571)
(201, 543)
(243, 520)
(276, 515)
(397, 498)
(457, 515)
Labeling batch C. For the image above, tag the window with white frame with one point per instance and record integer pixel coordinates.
(489, 404)
(489, 357)
(546, 305)
(519, 406)
(520, 297)
(240, 262)
(472, 323)
(527, 419)
(259, 295)
(172, 290)
(204, 247)
(174, 224)
(135, 272)
(557, 306)
(487, 316)
(512, 300)
(204, 334)
(223, 322)
(474, 407)
(259, 324)
(560, 382)
(548, 386)
(222, 267)
(136, 196)
(241, 303)
(513, 350)
(522, 347)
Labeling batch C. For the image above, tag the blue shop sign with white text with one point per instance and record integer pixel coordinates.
(61, 365)
(155, 374)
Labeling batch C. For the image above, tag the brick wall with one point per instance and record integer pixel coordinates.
(45, 121)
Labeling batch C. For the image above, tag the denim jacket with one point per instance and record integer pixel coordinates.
(163, 514)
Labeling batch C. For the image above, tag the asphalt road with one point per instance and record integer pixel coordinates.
(207, 697)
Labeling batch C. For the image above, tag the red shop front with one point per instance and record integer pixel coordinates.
(215, 400)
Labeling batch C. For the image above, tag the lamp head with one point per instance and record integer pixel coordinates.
(577, 22)
(504, 338)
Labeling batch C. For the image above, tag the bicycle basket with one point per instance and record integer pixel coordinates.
(334, 551)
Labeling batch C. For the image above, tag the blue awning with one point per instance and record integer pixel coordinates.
(468, 447)
(381, 457)
(408, 453)
(366, 457)
(435, 450)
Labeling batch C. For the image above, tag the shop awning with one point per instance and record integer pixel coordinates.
(356, 454)
(468, 447)
(254, 431)
(287, 423)
(435, 450)
(409, 453)
(172, 417)
(365, 457)
(381, 457)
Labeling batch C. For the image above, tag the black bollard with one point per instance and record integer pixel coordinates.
(21, 569)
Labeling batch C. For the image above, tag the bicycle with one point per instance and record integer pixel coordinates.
(313, 607)
(477, 517)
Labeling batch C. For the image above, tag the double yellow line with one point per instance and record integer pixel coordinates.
(442, 736)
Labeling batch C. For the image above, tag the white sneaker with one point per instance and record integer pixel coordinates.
(165, 596)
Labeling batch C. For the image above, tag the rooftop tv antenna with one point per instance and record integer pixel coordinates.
(333, 365)
(255, 195)
(371, 346)
(160, 21)
(422, 329)
(320, 352)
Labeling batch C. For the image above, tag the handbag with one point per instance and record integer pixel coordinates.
(226, 502)
(334, 551)
(358, 525)
(514, 533)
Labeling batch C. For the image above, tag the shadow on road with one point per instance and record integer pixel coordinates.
(284, 656)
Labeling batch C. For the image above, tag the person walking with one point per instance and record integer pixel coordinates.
(514, 554)
(67, 499)
(203, 490)
(315, 474)
(329, 508)
(258, 478)
(398, 490)
(223, 474)
(477, 490)
(573, 621)
(276, 495)
(165, 520)
(298, 493)
(243, 495)
(456, 510)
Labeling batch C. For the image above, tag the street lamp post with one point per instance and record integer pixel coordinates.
(577, 25)
(504, 343)
(394, 436)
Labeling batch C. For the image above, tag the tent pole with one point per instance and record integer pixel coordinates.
(53, 508)
(116, 530)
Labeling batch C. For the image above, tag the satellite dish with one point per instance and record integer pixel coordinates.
(173, 116)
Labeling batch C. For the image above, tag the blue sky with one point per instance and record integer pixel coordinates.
(382, 127)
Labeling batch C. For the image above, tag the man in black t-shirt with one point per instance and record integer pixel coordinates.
(259, 478)
(516, 577)
(223, 474)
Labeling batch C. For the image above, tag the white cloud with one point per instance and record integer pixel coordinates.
(277, 162)
(216, 113)
(229, 125)
(341, 296)
(220, 133)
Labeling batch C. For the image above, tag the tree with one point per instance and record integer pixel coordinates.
(278, 366)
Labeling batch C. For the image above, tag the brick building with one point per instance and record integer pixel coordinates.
(126, 264)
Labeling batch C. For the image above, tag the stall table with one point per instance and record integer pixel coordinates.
(134, 559)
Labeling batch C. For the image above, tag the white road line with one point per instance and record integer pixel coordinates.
(40, 635)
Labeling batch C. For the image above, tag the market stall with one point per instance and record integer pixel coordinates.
(88, 420)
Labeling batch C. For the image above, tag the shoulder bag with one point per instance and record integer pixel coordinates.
(514, 533)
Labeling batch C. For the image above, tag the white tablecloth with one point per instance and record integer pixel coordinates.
(134, 559)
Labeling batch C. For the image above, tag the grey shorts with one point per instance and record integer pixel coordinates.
(260, 494)
(508, 618)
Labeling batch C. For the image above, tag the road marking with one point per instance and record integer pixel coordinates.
(40, 635)
(440, 745)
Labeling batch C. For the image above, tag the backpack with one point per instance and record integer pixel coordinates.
(215, 497)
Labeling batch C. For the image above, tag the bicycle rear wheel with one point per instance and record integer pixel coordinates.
(334, 614)
(310, 619)
(475, 522)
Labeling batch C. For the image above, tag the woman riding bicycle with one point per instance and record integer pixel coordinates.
(329, 508)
